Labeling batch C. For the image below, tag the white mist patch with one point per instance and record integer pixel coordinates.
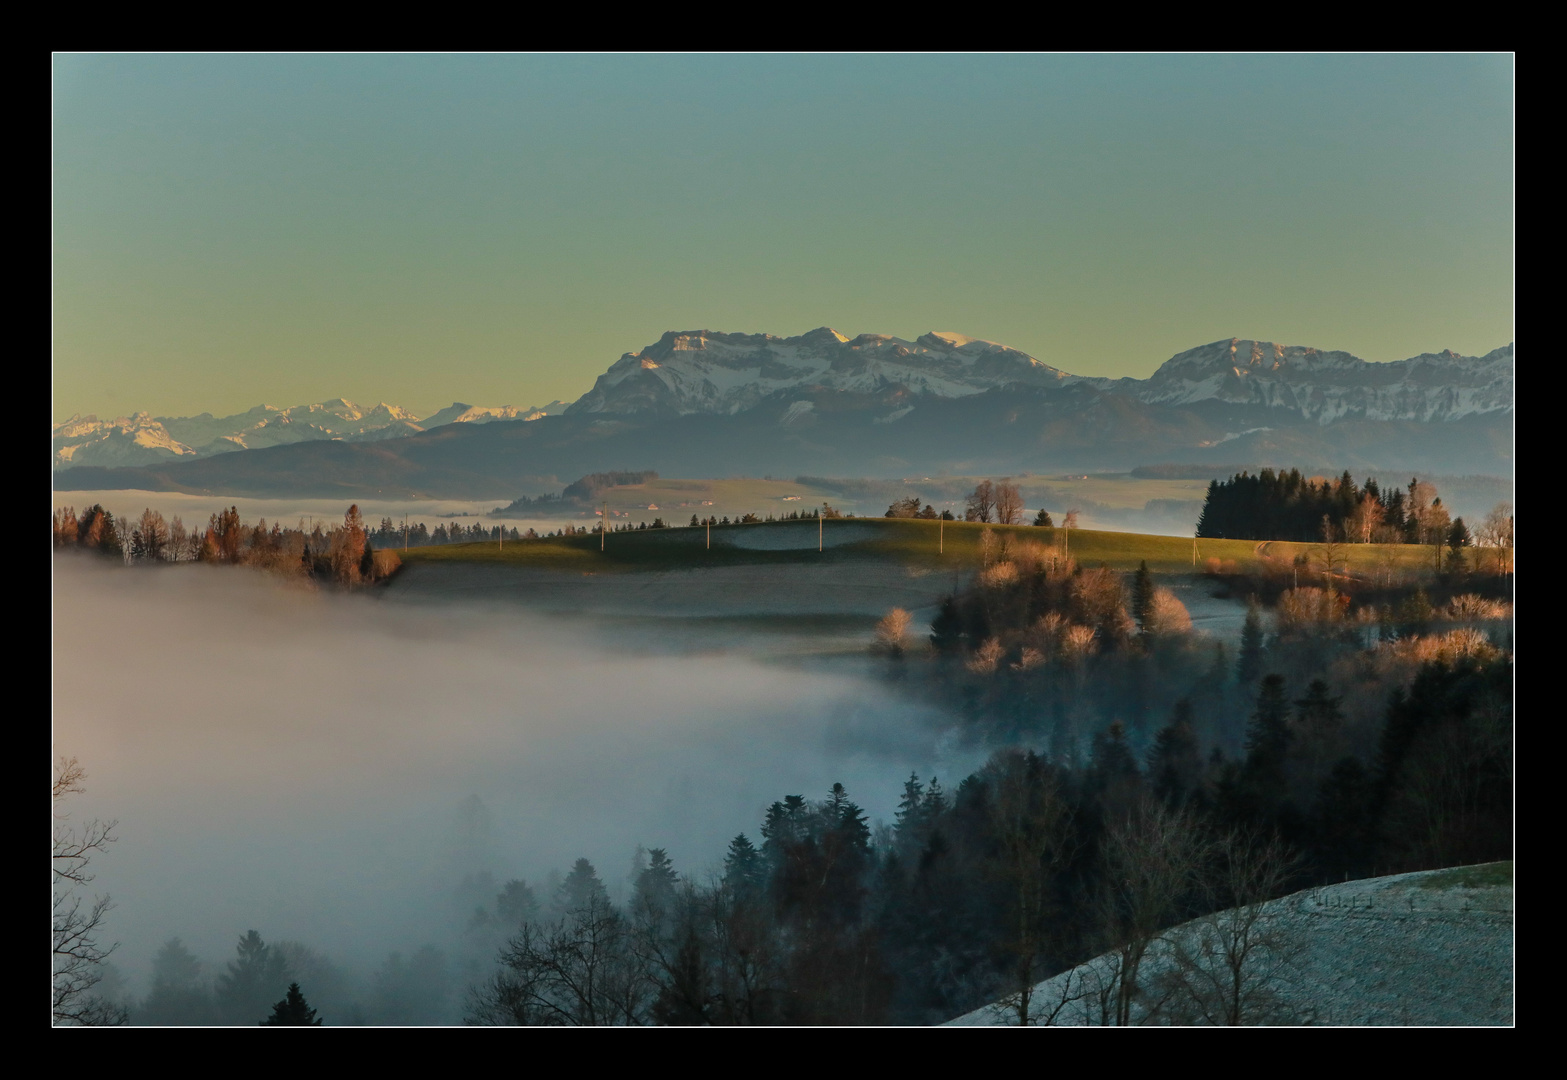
(294, 761)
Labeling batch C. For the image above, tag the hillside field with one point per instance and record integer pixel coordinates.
(915, 543)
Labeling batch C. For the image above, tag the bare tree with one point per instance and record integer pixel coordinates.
(892, 632)
(1152, 857)
(582, 972)
(981, 502)
(1009, 504)
(1330, 556)
(79, 952)
(1231, 967)
(1496, 532)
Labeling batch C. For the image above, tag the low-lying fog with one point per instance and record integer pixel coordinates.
(328, 768)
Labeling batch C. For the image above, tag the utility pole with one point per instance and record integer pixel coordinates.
(1194, 550)
(603, 525)
(941, 536)
(818, 532)
(709, 534)
(405, 534)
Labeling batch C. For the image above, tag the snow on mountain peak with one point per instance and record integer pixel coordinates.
(705, 371)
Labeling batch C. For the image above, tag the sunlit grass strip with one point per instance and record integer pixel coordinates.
(930, 544)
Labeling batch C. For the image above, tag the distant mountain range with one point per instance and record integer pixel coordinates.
(143, 439)
(702, 403)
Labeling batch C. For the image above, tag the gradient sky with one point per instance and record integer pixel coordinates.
(232, 230)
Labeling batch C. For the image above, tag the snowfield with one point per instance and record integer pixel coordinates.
(1428, 948)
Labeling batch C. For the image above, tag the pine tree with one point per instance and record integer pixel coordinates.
(1043, 520)
(910, 815)
(946, 629)
(292, 1011)
(257, 972)
(655, 886)
(1249, 664)
(743, 870)
(580, 889)
(1318, 712)
(1268, 733)
(935, 803)
(1174, 764)
(1142, 596)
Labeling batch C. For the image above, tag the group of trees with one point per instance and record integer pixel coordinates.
(342, 554)
(1286, 506)
(1031, 866)
(1000, 502)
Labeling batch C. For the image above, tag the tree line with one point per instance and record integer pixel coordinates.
(1287, 506)
(1029, 867)
(343, 554)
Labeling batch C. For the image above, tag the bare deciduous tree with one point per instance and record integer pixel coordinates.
(79, 952)
(892, 633)
(1230, 967)
(1009, 504)
(1152, 858)
(582, 972)
(981, 502)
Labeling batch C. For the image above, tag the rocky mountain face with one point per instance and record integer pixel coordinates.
(702, 371)
(1324, 387)
(143, 439)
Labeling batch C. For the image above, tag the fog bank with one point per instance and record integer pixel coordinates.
(305, 763)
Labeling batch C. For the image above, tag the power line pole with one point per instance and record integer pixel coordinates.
(819, 518)
(603, 525)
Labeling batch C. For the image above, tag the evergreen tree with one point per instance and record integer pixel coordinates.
(1174, 764)
(580, 889)
(946, 629)
(744, 872)
(1043, 520)
(1248, 665)
(655, 886)
(1268, 733)
(1317, 712)
(178, 996)
(910, 816)
(935, 803)
(257, 972)
(292, 1011)
(1142, 596)
(1112, 757)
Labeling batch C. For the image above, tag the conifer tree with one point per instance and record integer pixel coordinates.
(257, 972)
(743, 869)
(1268, 733)
(292, 1011)
(1174, 764)
(1142, 596)
(1249, 664)
(910, 815)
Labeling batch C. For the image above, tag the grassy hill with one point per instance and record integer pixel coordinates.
(917, 543)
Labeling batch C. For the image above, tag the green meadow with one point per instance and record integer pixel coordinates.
(918, 543)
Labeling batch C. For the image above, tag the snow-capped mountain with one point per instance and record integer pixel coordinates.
(1327, 386)
(701, 371)
(143, 439)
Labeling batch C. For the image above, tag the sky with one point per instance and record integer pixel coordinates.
(234, 230)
